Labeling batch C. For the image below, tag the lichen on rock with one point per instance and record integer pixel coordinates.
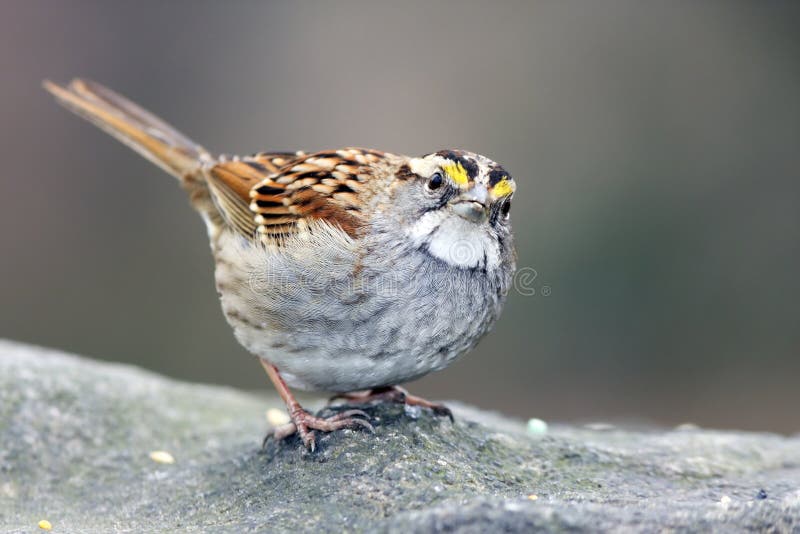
(76, 438)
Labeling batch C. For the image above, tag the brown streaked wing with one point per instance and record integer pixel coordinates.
(275, 161)
(230, 183)
(282, 192)
(322, 186)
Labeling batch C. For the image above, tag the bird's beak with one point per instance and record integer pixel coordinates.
(471, 210)
(471, 204)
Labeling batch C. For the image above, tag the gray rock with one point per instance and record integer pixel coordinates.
(75, 438)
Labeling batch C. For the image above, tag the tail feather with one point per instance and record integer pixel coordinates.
(137, 128)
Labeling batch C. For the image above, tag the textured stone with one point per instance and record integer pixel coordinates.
(76, 437)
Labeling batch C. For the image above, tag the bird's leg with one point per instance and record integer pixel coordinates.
(303, 422)
(394, 394)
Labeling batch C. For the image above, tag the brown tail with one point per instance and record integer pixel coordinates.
(139, 129)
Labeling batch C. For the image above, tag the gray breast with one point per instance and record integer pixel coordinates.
(331, 318)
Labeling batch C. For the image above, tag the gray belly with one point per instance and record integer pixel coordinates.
(327, 329)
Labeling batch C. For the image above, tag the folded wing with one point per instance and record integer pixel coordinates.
(270, 196)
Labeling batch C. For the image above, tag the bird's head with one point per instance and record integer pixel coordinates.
(461, 208)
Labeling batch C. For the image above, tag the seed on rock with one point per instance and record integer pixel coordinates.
(162, 457)
(536, 427)
(277, 417)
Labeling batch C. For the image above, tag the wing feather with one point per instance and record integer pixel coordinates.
(274, 195)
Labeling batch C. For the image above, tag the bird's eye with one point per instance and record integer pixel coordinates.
(435, 181)
(506, 208)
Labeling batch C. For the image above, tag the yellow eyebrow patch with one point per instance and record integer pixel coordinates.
(456, 172)
(503, 188)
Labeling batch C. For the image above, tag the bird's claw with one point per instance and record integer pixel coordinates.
(304, 424)
(395, 394)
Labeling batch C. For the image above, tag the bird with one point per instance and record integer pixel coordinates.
(351, 270)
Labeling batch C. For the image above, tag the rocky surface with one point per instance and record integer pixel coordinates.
(76, 438)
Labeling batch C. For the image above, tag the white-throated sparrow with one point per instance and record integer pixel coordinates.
(342, 270)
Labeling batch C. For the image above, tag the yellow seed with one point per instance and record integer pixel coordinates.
(532, 497)
(277, 417)
(44, 524)
(162, 457)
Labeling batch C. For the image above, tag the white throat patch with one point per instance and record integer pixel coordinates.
(456, 241)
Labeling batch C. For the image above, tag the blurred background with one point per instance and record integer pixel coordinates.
(656, 146)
